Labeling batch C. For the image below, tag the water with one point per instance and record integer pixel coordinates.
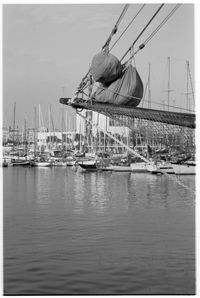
(68, 232)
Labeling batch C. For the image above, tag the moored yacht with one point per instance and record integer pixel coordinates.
(139, 167)
(89, 165)
(187, 168)
(160, 168)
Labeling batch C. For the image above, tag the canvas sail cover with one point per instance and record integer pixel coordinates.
(127, 90)
(105, 67)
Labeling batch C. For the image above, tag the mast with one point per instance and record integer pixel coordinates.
(187, 88)
(62, 127)
(39, 120)
(149, 90)
(168, 91)
(104, 136)
(34, 132)
(191, 85)
(25, 143)
(66, 129)
(49, 124)
(187, 93)
(168, 83)
(14, 126)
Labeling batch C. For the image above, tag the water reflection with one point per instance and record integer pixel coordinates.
(43, 186)
(99, 199)
(67, 232)
(79, 193)
(90, 192)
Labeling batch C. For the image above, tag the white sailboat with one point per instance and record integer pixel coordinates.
(187, 168)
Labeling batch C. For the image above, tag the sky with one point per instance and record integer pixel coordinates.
(47, 49)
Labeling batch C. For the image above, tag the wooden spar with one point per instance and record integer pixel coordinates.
(168, 117)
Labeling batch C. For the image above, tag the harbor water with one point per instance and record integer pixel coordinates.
(73, 232)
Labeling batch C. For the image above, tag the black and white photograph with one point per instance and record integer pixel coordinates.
(98, 155)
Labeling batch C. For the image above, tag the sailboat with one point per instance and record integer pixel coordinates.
(112, 98)
(39, 161)
(188, 168)
(21, 161)
(90, 165)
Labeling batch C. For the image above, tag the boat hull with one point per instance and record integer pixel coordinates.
(160, 169)
(184, 169)
(21, 163)
(90, 167)
(139, 167)
(121, 168)
(60, 164)
(41, 164)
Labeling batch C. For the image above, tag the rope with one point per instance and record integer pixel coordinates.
(156, 30)
(149, 22)
(128, 26)
(85, 79)
(115, 28)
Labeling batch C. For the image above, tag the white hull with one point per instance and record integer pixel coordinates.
(60, 164)
(41, 164)
(139, 167)
(161, 168)
(70, 163)
(184, 169)
(120, 168)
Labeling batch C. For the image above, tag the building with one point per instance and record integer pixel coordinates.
(5, 135)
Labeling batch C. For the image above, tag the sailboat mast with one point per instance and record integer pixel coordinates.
(149, 90)
(62, 127)
(39, 121)
(49, 124)
(190, 78)
(34, 132)
(66, 114)
(168, 91)
(187, 86)
(14, 126)
(25, 143)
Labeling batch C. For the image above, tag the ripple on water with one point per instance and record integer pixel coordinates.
(72, 233)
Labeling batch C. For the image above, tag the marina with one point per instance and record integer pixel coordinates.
(99, 150)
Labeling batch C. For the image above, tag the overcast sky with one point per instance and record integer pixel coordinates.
(50, 46)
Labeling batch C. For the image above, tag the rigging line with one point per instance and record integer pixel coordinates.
(128, 26)
(122, 14)
(143, 30)
(106, 43)
(155, 31)
(114, 30)
(162, 23)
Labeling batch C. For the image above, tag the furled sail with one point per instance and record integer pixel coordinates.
(126, 90)
(105, 67)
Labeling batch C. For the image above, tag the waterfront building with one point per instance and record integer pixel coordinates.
(5, 135)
